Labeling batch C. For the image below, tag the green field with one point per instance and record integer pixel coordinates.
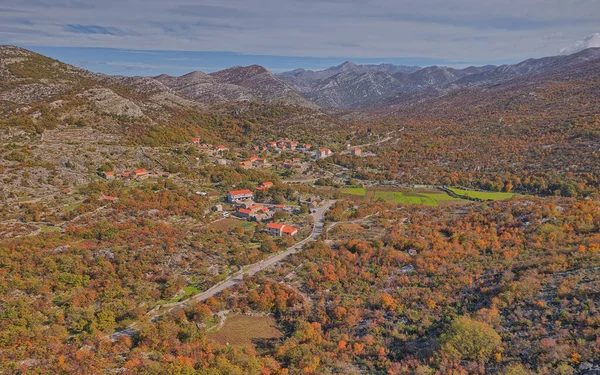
(404, 196)
(360, 191)
(484, 195)
(401, 197)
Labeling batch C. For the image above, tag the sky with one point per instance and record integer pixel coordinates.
(150, 37)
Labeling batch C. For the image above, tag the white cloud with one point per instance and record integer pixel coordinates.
(460, 30)
(591, 41)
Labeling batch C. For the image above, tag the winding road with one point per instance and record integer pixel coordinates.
(319, 222)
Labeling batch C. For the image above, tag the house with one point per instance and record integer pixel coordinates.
(278, 207)
(356, 151)
(109, 175)
(247, 164)
(221, 148)
(140, 172)
(277, 229)
(244, 213)
(307, 146)
(196, 141)
(324, 153)
(264, 186)
(237, 195)
(313, 204)
(274, 229)
(273, 144)
(217, 208)
(125, 174)
(259, 161)
(289, 231)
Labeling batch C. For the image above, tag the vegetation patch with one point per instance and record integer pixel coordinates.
(484, 195)
(244, 330)
(359, 191)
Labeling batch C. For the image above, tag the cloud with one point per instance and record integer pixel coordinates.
(94, 29)
(457, 30)
(591, 41)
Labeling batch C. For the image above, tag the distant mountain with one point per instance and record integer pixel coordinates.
(557, 85)
(235, 84)
(354, 86)
(529, 67)
(303, 80)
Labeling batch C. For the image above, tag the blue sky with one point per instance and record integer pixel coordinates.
(149, 37)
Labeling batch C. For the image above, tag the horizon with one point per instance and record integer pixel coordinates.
(122, 38)
(157, 62)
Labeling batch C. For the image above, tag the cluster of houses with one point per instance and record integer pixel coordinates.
(287, 144)
(253, 162)
(138, 174)
(247, 209)
(208, 146)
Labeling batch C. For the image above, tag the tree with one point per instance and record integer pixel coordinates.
(468, 339)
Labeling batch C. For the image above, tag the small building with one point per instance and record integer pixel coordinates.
(273, 144)
(217, 208)
(277, 229)
(196, 141)
(244, 213)
(221, 148)
(125, 174)
(356, 151)
(247, 164)
(109, 175)
(237, 195)
(324, 153)
(278, 207)
(307, 146)
(140, 172)
(289, 231)
(313, 204)
(264, 186)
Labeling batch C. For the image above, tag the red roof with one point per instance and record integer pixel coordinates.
(324, 150)
(195, 140)
(279, 206)
(288, 229)
(275, 226)
(244, 211)
(233, 193)
(356, 149)
(140, 171)
(109, 173)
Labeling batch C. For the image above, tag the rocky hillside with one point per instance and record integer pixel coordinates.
(355, 86)
(251, 83)
(352, 86)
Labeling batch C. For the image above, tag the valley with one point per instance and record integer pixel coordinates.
(361, 219)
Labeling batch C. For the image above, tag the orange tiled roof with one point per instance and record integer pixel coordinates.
(240, 192)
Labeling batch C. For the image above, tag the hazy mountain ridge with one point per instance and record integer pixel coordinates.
(354, 86)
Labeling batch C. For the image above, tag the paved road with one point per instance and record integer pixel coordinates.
(319, 219)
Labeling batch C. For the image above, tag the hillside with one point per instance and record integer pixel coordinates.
(454, 229)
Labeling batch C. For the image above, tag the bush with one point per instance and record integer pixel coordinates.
(468, 339)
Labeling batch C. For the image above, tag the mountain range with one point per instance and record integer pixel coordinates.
(27, 77)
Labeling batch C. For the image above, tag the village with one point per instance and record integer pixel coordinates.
(284, 158)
